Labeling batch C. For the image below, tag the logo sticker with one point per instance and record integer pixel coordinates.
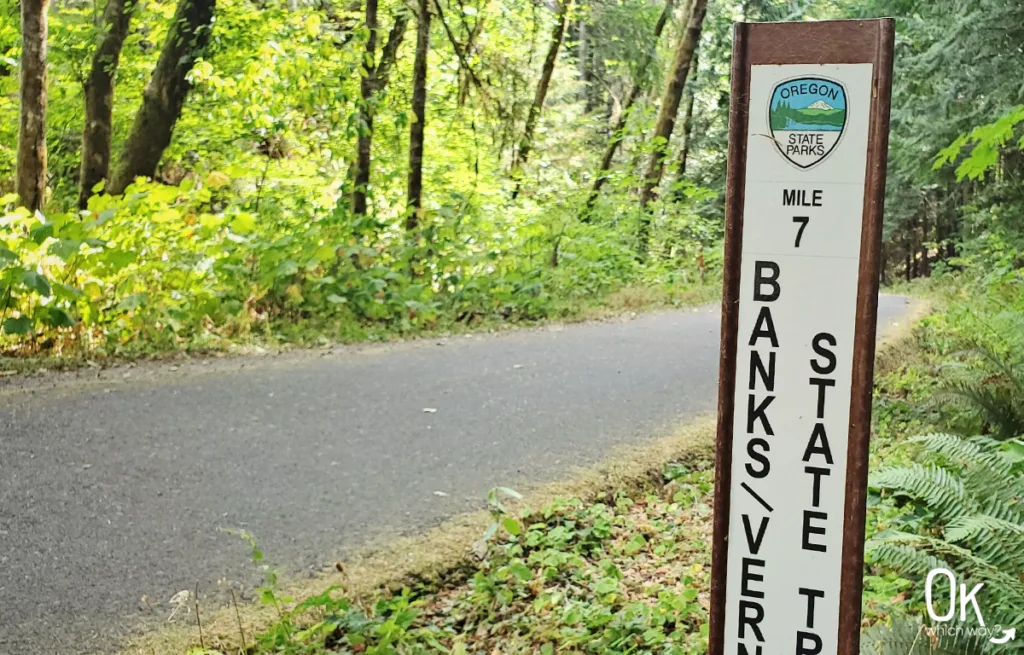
(807, 116)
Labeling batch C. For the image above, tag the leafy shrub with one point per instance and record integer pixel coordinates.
(194, 265)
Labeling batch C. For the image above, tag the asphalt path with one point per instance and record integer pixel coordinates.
(117, 486)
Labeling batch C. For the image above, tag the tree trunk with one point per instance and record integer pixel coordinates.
(31, 173)
(583, 61)
(375, 77)
(165, 94)
(925, 269)
(526, 145)
(667, 116)
(620, 124)
(364, 143)
(686, 141)
(419, 111)
(954, 230)
(99, 99)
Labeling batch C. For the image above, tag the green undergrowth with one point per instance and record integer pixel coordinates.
(627, 573)
(947, 462)
(187, 270)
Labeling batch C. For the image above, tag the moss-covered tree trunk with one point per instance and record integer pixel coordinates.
(99, 98)
(687, 45)
(364, 142)
(620, 124)
(165, 94)
(31, 167)
(686, 140)
(374, 79)
(526, 144)
(419, 112)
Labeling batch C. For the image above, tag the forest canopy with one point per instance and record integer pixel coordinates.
(182, 173)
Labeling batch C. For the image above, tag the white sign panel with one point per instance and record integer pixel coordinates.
(807, 142)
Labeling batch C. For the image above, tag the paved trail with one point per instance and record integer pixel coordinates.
(115, 489)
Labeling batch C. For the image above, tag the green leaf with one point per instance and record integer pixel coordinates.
(118, 259)
(132, 302)
(511, 525)
(324, 253)
(7, 256)
(37, 283)
(20, 325)
(520, 570)
(56, 317)
(1014, 451)
(335, 299)
(41, 233)
(492, 529)
(244, 223)
(66, 292)
(606, 586)
(286, 268)
(511, 493)
(65, 248)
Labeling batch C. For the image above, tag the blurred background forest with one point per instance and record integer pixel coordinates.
(195, 173)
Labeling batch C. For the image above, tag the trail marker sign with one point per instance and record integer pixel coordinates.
(808, 135)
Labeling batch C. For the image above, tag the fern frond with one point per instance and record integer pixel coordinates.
(991, 538)
(978, 451)
(940, 489)
(964, 528)
(997, 404)
(902, 557)
(1007, 367)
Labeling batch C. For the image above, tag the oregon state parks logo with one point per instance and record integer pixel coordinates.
(807, 116)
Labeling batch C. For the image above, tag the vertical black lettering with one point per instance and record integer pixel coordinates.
(811, 595)
(764, 327)
(830, 357)
(818, 444)
(757, 369)
(772, 281)
(754, 542)
(809, 529)
(758, 412)
(766, 465)
(821, 383)
(817, 472)
(753, 620)
(807, 643)
(747, 576)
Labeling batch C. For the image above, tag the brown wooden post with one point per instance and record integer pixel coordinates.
(808, 136)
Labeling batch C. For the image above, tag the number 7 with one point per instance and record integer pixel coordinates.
(803, 220)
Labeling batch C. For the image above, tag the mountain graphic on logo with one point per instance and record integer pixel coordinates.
(807, 116)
